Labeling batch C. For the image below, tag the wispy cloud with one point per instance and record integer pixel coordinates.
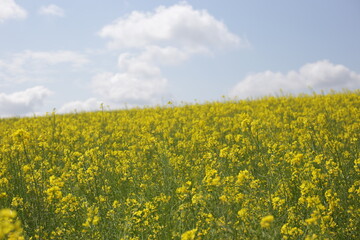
(321, 75)
(10, 10)
(52, 57)
(53, 10)
(29, 65)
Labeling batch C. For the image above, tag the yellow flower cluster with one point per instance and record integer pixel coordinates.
(266, 221)
(10, 227)
(273, 168)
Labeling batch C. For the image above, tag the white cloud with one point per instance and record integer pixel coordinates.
(31, 65)
(91, 104)
(166, 36)
(321, 75)
(179, 25)
(141, 81)
(10, 10)
(53, 10)
(24, 102)
(141, 84)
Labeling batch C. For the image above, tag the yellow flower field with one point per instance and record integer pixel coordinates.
(274, 168)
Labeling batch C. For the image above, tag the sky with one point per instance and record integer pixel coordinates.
(76, 55)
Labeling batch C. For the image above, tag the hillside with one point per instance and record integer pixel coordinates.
(277, 167)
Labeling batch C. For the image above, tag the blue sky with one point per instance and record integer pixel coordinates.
(78, 54)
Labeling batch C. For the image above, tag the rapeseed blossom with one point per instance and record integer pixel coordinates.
(266, 221)
(272, 168)
(10, 227)
(189, 235)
